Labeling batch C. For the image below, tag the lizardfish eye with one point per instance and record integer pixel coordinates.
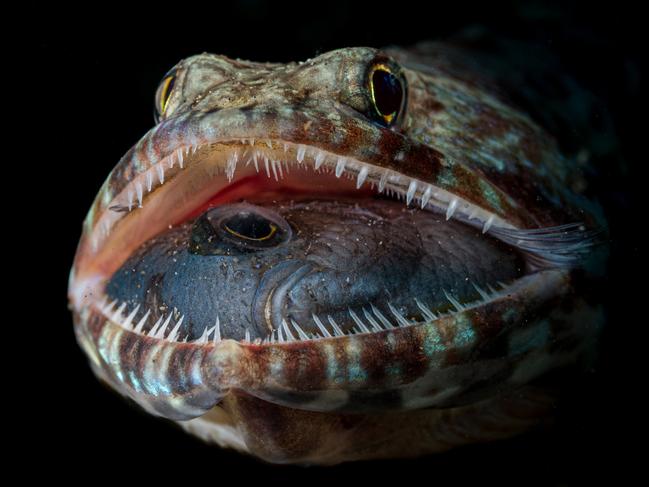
(163, 94)
(387, 93)
(238, 228)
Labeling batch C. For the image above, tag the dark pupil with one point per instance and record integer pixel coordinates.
(387, 92)
(249, 226)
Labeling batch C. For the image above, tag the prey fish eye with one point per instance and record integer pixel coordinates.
(278, 270)
(231, 229)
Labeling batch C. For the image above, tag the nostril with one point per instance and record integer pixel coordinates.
(237, 228)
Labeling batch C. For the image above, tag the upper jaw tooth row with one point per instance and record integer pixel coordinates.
(368, 320)
(249, 153)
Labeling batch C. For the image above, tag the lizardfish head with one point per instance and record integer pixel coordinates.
(350, 236)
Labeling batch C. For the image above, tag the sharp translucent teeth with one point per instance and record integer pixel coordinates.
(247, 336)
(173, 335)
(358, 321)
(426, 197)
(451, 208)
(337, 330)
(231, 166)
(280, 335)
(154, 330)
(300, 153)
(129, 318)
(217, 330)
(267, 167)
(400, 318)
(161, 332)
(362, 176)
(149, 181)
(172, 161)
(412, 189)
(255, 161)
(386, 323)
(300, 332)
(140, 324)
(161, 173)
(130, 199)
(340, 166)
(382, 181)
(269, 144)
(488, 224)
(287, 332)
(139, 191)
(430, 316)
(319, 160)
(481, 292)
(320, 326)
(272, 165)
(181, 160)
(454, 301)
(372, 321)
(117, 316)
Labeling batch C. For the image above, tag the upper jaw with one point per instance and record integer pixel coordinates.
(338, 135)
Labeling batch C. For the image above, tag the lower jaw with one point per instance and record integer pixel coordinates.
(283, 435)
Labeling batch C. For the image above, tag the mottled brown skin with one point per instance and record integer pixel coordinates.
(407, 391)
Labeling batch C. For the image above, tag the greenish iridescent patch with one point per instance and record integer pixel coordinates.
(446, 178)
(432, 340)
(464, 333)
(490, 195)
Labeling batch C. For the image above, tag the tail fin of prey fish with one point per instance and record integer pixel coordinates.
(368, 254)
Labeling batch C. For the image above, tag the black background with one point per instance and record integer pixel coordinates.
(95, 79)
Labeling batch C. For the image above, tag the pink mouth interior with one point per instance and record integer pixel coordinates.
(258, 187)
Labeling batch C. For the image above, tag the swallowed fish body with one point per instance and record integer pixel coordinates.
(369, 254)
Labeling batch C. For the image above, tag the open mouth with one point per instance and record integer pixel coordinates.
(268, 241)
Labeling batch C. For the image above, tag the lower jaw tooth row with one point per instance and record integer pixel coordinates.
(370, 320)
